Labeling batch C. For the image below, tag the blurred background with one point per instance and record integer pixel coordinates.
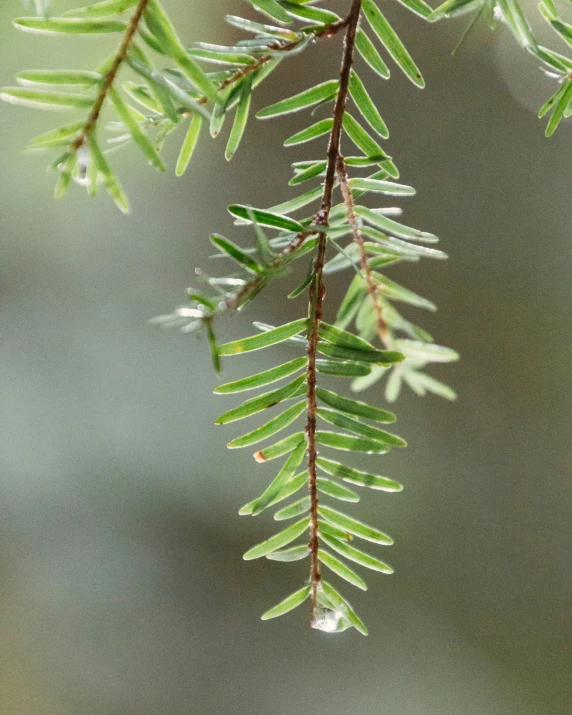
(123, 590)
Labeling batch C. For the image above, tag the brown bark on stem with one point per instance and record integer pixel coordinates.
(317, 291)
(109, 78)
(372, 288)
(328, 31)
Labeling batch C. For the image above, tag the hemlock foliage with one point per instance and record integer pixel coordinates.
(185, 92)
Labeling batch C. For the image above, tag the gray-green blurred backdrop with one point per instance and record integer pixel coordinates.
(123, 591)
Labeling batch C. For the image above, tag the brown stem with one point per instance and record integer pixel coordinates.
(109, 78)
(317, 291)
(327, 31)
(235, 300)
(372, 288)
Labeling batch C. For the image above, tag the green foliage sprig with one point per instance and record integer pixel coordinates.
(509, 12)
(338, 232)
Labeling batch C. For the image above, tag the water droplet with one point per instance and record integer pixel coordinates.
(328, 620)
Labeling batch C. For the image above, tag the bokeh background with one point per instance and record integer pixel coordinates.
(123, 591)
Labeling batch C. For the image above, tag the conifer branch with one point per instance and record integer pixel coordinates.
(254, 285)
(366, 239)
(317, 290)
(372, 288)
(110, 76)
(327, 31)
